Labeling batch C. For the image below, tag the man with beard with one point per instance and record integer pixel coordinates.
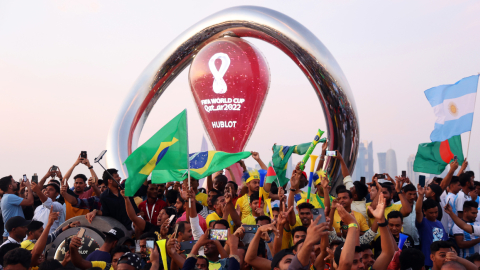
(221, 211)
(404, 207)
(468, 243)
(409, 228)
(345, 199)
(11, 204)
(395, 224)
(152, 205)
(253, 185)
(161, 192)
(463, 195)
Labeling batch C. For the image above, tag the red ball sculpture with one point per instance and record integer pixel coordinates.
(229, 79)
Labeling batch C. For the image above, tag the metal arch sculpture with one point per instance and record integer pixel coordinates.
(295, 40)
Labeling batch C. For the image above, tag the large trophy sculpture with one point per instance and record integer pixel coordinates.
(230, 79)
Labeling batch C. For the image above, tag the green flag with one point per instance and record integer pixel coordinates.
(280, 157)
(202, 164)
(167, 149)
(433, 157)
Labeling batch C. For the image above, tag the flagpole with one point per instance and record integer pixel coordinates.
(188, 160)
(473, 116)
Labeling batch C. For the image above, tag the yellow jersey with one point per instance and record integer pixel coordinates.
(362, 222)
(315, 200)
(244, 203)
(214, 217)
(202, 199)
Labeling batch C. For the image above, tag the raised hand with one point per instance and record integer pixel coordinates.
(52, 216)
(268, 228)
(63, 190)
(172, 245)
(448, 209)
(283, 216)
(454, 165)
(255, 155)
(451, 256)
(240, 232)
(90, 216)
(324, 146)
(421, 190)
(315, 231)
(345, 216)
(324, 182)
(232, 239)
(335, 204)
(281, 194)
(379, 212)
(122, 192)
(58, 173)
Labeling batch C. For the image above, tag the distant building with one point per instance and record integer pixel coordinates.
(391, 163)
(382, 162)
(413, 176)
(364, 164)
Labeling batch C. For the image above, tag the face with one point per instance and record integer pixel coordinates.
(275, 215)
(210, 249)
(117, 178)
(160, 189)
(15, 185)
(162, 217)
(373, 192)
(477, 189)
(79, 185)
(358, 262)
(102, 187)
(470, 215)
(143, 248)
(36, 234)
(439, 257)
(455, 187)
(305, 216)
(254, 185)
(431, 214)
(429, 192)
(15, 267)
(51, 192)
(219, 184)
(187, 235)
(367, 258)
(179, 205)
(152, 191)
(230, 187)
(345, 200)
(395, 225)
(411, 195)
(319, 190)
(201, 264)
(299, 236)
(211, 194)
(19, 232)
(263, 222)
(220, 203)
(387, 194)
(254, 205)
(285, 262)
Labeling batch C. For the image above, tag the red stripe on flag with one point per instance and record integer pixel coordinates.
(445, 152)
(271, 172)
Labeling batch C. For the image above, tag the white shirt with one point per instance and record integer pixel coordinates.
(43, 211)
(9, 240)
(465, 252)
(197, 232)
(461, 198)
(409, 225)
(357, 206)
(451, 201)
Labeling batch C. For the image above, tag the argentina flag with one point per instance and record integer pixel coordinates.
(453, 105)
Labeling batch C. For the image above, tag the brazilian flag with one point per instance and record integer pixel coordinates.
(202, 164)
(166, 150)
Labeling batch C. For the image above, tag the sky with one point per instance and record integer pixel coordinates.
(66, 67)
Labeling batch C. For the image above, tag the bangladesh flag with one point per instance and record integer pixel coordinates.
(433, 157)
(271, 175)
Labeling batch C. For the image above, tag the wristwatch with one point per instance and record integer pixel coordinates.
(91, 167)
(383, 224)
(292, 189)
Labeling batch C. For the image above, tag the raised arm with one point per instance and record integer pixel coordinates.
(446, 180)
(464, 166)
(47, 175)
(36, 188)
(93, 183)
(295, 184)
(344, 167)
(348, 251)
(458, 221)
(406, 207)
(387, 241)
(209, 183)
(229, 210)
(251, 256)
(42, 240)
(69, 198)
(257, 158)
(322, 156)
(76, 258)
(139, 222)
(69, 172)
(326, 194)
(375, 199)
(28, 200)
(418, 206)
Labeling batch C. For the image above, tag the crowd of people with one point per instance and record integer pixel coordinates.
(387, 224)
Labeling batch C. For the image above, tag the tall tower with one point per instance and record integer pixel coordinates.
(413, 176)
(391, 162)
(370, 160)
(382, 159)
(361, 165)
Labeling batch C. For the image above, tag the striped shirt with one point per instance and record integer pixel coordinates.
(465, 252)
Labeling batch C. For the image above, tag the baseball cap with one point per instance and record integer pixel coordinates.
(16, 222)
(34, 225)
(279, 256)
(131, 259)
(115, 232)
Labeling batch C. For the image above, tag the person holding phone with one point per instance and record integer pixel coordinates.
(49, 201)
(111, 239)
(11, 204)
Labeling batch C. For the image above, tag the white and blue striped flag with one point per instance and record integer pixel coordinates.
(453, 104)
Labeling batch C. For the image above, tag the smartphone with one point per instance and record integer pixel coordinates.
(362, 180)
(35, 178)
(137, 246)
(24, 178)
(81, 232)
(455, 158)
(170, 219)
(67, 244)
(97, 159)
(54, 168)
(331, 153)
(319, 211)
(250, 228)
(404, 174)
(150, 246)
(83, 154)
(187, 245)
(218, 234)
(421, 180)
(380, 176)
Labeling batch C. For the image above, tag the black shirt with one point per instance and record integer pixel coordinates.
(377, 246)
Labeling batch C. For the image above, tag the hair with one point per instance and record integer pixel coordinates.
(234, 184)
(464, 179)
(361, 190)
(106, 175)
(148, 235)
(474, 258)
(17, 256)
(81, 176)
(335, 243)
(387, 186)
(408, 188)
(365, 247)
(437, 180)
(5, 182)
(6, 248)
(429, 203)
(276, 208)
(215, 198)
(395, 214)
(469, 204)
(340, 187)
(172, 195)
(260, 218)
(215, 190)
(254, 197)
(436, 246)
(306, 205)
(204, 191)
(110, 239)
(299, 229)
(411, 258)
(179, 197)
(203, 258)
(221, 178)
(476, 183)
(345, 191)
(222, 222)
(50, 264)
(338, 250)
(454, 265)
(455, 179)
(471, 173)
(181, 226)
(120, 248)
